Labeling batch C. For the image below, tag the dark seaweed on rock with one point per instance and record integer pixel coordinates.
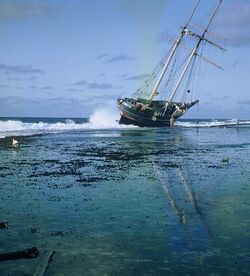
(56, 174)
(92, 179)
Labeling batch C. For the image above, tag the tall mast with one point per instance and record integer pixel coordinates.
(193, 53)
(173, 50)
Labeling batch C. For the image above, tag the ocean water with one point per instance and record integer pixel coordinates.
(118, 200)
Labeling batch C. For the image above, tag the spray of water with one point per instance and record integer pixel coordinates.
(104, 119)
(100, 119)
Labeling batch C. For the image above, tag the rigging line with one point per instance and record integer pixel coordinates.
(188, 79)
(178, 68)
(171, 74)
(146, 84)
(196, 83)
(172, 70)
(164, 87)
(202, 68)
(192, 13)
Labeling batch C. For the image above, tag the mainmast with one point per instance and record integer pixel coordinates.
(194, 52)
(183, 32)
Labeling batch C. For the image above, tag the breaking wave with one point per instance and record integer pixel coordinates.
(99, 120)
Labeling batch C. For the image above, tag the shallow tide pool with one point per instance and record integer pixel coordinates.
(128, 201)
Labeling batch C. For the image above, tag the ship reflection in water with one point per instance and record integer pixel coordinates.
(128, 201)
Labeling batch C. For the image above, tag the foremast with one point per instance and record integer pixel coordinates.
(183, 32)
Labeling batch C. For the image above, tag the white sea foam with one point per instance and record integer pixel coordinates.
(214, 123)
(99, 120)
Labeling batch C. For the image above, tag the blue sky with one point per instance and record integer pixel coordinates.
(67, 58)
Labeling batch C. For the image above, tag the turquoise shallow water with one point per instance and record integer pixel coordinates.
(128, 201)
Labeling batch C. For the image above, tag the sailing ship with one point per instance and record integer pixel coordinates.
(144, 108)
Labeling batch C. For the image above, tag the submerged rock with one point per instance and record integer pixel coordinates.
(225, 160)
(25, 254)
(4, 225)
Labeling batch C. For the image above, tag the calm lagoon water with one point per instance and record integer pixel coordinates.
(125, 201)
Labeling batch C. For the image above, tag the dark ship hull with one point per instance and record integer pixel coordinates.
(151, 114)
